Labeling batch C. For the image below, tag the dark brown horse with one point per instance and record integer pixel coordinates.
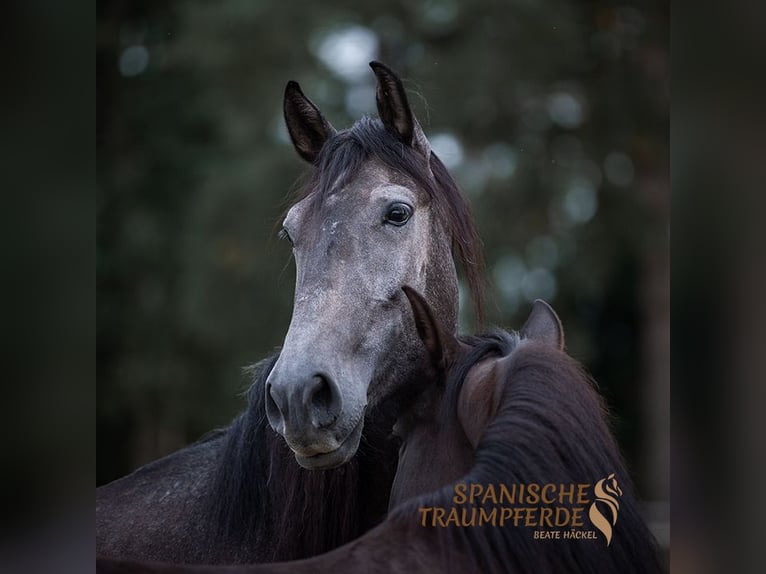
(308, 466)
(497, 409)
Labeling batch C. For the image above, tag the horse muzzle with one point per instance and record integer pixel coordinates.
(324, 460)
(309, 415)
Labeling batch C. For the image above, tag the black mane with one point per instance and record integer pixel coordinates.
(260, 492)
(551, 427)
(345, 152)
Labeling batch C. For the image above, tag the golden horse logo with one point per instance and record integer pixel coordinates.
(606, 491)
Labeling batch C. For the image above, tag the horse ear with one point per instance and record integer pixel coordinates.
(479, 399)
(308, 128)
(394, 109)
(440, 344)
(544, 325)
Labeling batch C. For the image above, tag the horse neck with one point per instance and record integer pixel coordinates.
(441, 286)
(547, 394)
(550, 428)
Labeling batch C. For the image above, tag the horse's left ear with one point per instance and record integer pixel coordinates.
(395, 112)
(440, 344)
(544, 325)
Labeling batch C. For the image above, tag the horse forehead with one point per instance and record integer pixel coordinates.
(375, 195)
(374, 173)
(478, 388)
(373, 182)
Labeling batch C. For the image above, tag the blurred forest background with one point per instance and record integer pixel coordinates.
(551, 114)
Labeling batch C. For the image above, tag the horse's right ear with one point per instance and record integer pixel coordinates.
(308, 128)
(440, 344)
(544, 325)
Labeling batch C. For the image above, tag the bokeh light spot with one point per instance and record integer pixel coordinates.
(565, 110)
(347, 52)
(448, 148)
(539, 284)
(133, 61)
(580, 201)
(618, 169)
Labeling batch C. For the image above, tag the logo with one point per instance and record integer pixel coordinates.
(551, 511)
(606, 491)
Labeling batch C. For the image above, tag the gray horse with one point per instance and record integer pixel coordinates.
(309, 465)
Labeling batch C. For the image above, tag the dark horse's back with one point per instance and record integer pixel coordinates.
(156, 512)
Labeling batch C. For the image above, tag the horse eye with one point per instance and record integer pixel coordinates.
(398, 213)
(283, 234)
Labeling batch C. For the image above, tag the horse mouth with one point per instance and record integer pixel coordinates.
(334, 458)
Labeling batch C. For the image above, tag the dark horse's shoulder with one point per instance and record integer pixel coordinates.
(139, 514)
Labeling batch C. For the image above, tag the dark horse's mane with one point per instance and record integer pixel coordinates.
(260, 492)
(343, 155)
(551, 426)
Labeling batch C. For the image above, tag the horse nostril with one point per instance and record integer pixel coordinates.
(273, 411)
(321, 395)
(323, 401)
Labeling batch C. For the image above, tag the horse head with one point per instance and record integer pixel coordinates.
(380, 211)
